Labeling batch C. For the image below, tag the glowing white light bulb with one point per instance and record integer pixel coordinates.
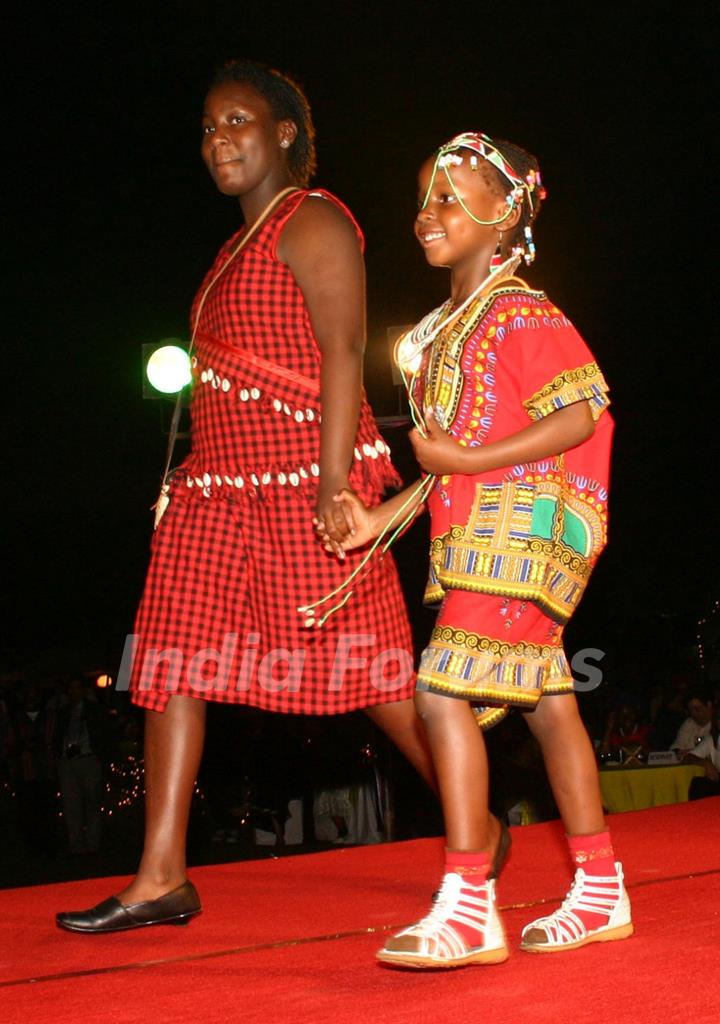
(168, 369)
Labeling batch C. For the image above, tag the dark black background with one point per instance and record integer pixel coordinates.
(111, 220)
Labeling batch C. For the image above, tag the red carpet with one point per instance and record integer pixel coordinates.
(292, 940)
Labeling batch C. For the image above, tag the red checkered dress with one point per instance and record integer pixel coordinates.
(235, 554)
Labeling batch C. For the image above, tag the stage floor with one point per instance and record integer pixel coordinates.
(291, 941)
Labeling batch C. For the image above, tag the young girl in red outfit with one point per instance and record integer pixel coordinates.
(513, 429)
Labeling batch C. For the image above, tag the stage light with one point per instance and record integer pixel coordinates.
(168, 369)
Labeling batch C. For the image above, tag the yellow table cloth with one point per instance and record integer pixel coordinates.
(633, 789)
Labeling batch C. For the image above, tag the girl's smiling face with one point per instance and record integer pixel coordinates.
(448, 235)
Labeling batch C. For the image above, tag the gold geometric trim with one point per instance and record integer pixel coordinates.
(488, 694)
(559, 686)
(559, 552)
(446, 635)
(570, 386)
(487, 717)
(551, 550)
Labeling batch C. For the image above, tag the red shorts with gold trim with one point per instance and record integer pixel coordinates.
(496, 652)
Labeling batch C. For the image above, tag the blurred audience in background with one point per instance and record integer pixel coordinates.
(81, 737)
(71, 771)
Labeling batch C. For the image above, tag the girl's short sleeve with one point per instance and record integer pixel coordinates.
(554, 367)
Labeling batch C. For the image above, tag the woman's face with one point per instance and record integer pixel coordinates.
(446, 233)
(243, 145)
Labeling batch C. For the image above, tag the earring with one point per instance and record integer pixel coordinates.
(497, 259)
(285, 143)
(529, 254)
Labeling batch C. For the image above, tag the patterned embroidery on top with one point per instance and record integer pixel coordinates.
(459, 376)
(584, 382)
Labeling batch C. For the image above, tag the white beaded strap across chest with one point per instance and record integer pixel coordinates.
(411, 346)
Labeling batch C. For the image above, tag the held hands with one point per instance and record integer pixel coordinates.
(359, 519)
(438, 453)
(333, 519)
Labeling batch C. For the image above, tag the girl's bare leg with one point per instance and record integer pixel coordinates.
(570, 763)
(463, 926)
(460, 759)
(401, 722)
(173, 746)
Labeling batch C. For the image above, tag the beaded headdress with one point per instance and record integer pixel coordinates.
(523, 188)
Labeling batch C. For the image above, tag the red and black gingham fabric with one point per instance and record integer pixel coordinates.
(235, 554)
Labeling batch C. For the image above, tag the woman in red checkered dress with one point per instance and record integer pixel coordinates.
(280, 425)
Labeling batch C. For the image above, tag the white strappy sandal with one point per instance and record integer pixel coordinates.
(565, 930)
(433, 942)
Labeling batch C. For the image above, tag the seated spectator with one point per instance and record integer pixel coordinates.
(668, 712)
(694, 729)
(707, 754)
(624, 731)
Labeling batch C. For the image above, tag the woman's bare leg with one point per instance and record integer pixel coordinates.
(401, 724)
(173, 747)
(570, 763)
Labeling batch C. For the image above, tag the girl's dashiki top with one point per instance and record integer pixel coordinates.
(532, 531)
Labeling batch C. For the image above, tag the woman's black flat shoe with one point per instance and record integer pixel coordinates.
(176, 907)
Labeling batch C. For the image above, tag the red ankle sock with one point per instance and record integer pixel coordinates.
(471, 866)
(594, 854)
(473, 869)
